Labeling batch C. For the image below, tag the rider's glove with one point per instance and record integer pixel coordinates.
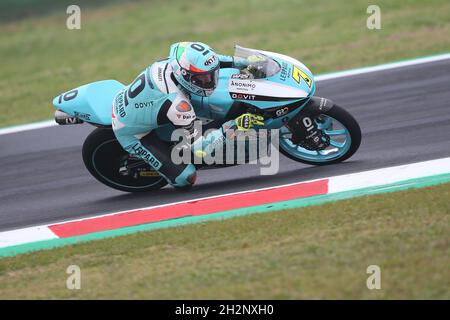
(247, 121)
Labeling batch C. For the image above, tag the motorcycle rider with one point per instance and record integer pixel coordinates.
(160, 96)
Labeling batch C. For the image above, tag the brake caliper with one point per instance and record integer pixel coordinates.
(307, 135)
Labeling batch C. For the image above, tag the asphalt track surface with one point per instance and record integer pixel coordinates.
(404, 114)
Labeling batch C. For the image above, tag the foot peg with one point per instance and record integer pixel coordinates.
(63, 118)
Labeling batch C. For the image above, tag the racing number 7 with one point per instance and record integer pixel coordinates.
(297, 74)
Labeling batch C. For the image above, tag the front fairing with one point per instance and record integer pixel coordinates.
(281, 70)
(292, 82)
(295, 76)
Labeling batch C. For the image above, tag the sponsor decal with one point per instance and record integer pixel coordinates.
(121, 111)
(240, 76)
(210, 60)
(282, 111)
(323, 103)
(148, 173)
(120, 107)
(185, 116)
(145, 155)
(160, 74)
(249, 85)
(83, 116)
(242, 96)
(141, 105)
(284, 71)
(245, 96)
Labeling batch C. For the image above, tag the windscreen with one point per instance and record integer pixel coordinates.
(258, 64)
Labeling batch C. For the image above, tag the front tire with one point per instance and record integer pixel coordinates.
(102, 155)
(353, 132)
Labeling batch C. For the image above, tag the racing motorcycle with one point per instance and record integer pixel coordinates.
(312, 130)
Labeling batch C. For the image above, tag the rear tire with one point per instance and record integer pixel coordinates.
(101, 156)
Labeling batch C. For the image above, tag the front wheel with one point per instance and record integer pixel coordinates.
(338, 128)
(110, 164)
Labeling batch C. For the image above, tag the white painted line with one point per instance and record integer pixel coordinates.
(26, 127)
(26, 235)
(390, 175)
(382, 67)
(350, 182)
(323, 77)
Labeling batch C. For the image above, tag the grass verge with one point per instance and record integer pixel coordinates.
(314, 252)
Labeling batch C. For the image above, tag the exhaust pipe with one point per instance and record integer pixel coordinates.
(63, 118)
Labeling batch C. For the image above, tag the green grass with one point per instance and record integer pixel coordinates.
(40, 58)
(314, 252)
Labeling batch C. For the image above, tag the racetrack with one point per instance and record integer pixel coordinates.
(403, 112)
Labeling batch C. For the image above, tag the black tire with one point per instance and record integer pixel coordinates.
(101, 156)
(346, 119)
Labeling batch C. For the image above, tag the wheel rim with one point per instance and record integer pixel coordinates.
(110, 152)
(340, 142)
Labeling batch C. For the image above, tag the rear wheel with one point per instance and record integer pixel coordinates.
(341, 131)
(110, 164)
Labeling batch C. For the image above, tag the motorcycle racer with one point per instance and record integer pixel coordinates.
(160, 95)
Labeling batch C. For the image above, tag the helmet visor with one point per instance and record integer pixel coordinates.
(206, 80)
